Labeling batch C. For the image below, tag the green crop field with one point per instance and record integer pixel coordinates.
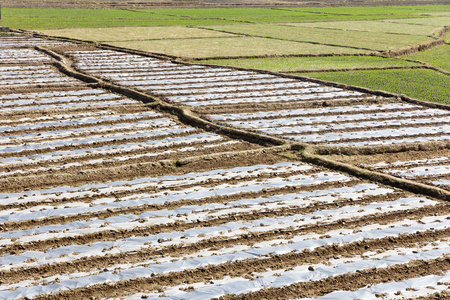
(290, 64)
(438, 57)
(413, 83)
(381, 26)
(275, 37)
(230, 47)
(123, 34)
(375, 41)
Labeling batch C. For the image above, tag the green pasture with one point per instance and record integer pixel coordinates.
(292, 64)
(268, 33)
(417, 83)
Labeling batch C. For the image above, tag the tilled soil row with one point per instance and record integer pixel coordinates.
(131, 171)
(78, 165)
(350, 282)
(204, 111)
(276, 262)
(211, 110)
(91, 145)
(155, 207)
(321, 227)
(317, 255)
(374, 127)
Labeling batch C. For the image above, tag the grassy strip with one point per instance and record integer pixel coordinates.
(287, 64)
(438, 57)
(421, 84)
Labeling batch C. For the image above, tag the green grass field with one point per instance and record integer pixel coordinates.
(235, 33)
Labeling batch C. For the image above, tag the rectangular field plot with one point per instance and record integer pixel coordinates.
(200, 86)
(233, 46)
(375, 41)
(290, 64)
(374, 26)
(33, 76)
(436, 56)
(413, 83)
(357, 125)
(135, 33)
(15, 56)
(437, 21)
(266, 227)
(24, 41)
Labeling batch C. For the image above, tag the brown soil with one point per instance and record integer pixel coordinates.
(252, 149)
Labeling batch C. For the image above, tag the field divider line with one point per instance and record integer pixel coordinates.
(309, 154)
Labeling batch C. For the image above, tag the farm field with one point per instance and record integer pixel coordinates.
(413, 83)
(435, 57)
(127, 176)
(219, 153)
(301, 64)
(265, 33)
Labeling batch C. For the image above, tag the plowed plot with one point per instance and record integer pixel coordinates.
(288, 108)
(103, 197)
(28, 77)
(429, 167)
(14, 56)
(234, 230)
(75, 130)
(24, 41)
